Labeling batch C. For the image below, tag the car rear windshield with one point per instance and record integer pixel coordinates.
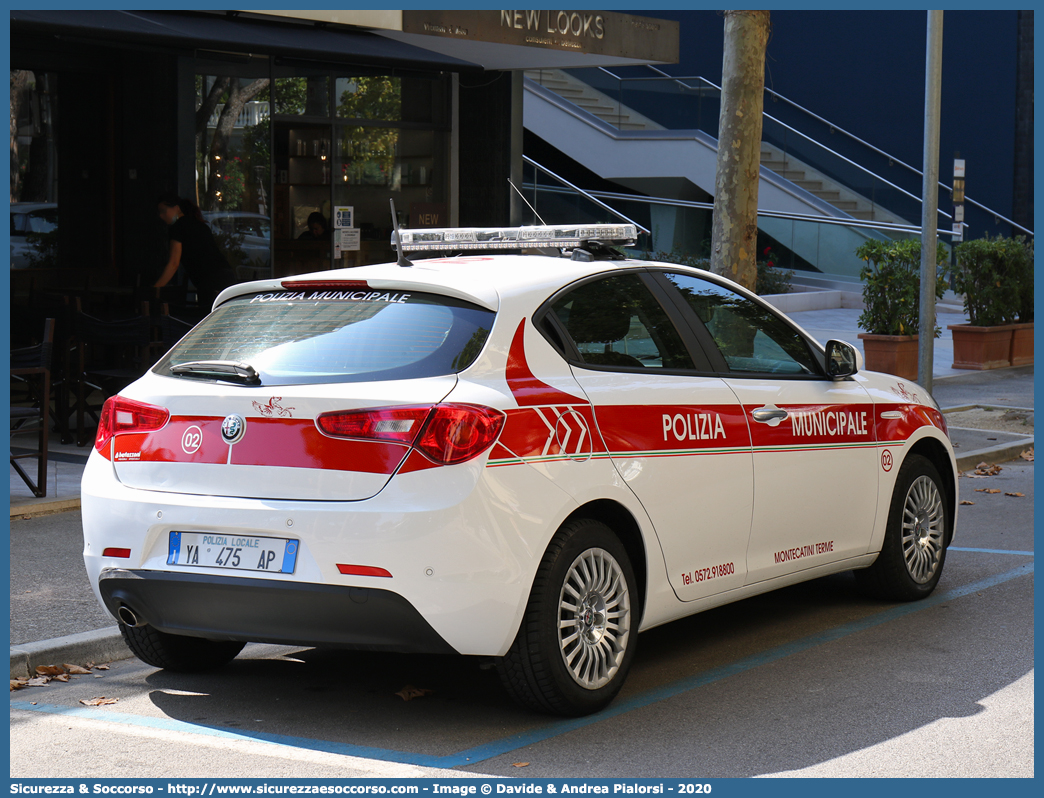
(316, 336)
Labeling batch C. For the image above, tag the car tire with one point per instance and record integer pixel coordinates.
(178, 652)
(914, 549)
(571, 658)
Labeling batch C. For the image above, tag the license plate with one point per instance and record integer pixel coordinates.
(238, 552)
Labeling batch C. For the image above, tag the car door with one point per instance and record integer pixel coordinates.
(677, 437)
(815, 456)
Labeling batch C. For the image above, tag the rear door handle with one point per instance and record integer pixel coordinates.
(770, 414)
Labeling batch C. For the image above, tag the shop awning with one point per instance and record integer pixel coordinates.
(202, 31)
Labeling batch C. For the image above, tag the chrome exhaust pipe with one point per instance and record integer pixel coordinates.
(127, 616)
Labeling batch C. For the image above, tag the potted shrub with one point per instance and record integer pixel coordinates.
(891, 304)
(988, 273)
(1022, 334)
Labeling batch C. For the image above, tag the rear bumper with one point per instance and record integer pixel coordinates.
(270, 611)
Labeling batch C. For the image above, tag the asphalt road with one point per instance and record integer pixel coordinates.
(1004, 387)
(50, 594)
(813, 680)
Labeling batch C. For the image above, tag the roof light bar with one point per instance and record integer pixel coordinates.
(561, 236)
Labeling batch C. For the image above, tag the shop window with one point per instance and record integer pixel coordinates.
(34, 170)
(377, 97)
(384, 138)
(233, 168)
(390, 99)
(303, 95)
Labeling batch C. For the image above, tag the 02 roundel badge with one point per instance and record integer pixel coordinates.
(192, 440)
(232, 428)
(886, 460)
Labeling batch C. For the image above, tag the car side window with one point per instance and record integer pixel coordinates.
(617, 322)
(749, 337)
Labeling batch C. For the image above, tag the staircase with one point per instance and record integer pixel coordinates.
(797, 173)
(806, 177)
(591, 100)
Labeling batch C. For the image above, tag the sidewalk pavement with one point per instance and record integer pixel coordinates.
(953, 389)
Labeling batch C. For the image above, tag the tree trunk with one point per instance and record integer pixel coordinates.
(734, 231)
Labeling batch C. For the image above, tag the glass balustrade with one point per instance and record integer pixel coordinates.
(817, 246)
(831, 165)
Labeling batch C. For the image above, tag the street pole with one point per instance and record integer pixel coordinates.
(930, 199)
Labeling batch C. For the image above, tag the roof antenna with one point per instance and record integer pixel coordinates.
(402, 260)
(523, 196)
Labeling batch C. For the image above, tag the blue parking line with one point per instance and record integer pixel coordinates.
(990, 551)
(553, 729)
(656, 695)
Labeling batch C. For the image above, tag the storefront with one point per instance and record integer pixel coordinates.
(291, 131)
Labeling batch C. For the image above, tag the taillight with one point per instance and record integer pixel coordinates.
(120, 414)
(400, 424)
(447, 434)
(456, 433)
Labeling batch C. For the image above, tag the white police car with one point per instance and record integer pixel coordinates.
(531, 457)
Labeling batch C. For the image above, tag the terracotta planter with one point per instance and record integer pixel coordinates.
(892, 354)
(1022, 344)
(981, 347)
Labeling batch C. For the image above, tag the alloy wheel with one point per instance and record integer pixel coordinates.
(922, 533)
(594, 618)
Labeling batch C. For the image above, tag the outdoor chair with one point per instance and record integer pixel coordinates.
(110, 355)
(30, 405)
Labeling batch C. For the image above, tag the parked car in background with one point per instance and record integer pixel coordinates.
(247, 238)
(30, 221)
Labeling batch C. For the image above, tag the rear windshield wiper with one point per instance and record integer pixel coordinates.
(225, 370)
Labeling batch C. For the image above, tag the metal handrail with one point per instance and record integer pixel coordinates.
(586, 194)
(798, 217)
(816, 143)
(889, 156)
(796, 132)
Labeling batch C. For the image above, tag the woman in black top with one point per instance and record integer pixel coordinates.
(192, 245)
(316, 230)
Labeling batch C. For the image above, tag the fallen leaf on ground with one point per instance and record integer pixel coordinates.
(519, 764)
(62, 677)
(1016, 495)
(409, 692)
(1027, 455)
(19, 684)
(987, 490)
(967, 502)
(987, 470)
(97, 702)
(49, 670)
(100, 667)
(38, 681)
(77, 669)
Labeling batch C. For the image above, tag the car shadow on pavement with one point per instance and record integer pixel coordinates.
(798, 677)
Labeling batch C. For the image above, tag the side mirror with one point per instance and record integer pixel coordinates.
(842, 360)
